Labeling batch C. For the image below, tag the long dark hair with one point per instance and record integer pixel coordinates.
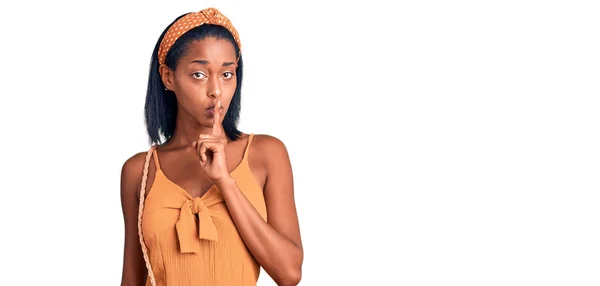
(161, 105)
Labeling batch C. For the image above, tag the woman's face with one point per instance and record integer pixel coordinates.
(205, 74)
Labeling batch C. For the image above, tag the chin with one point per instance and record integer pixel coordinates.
(203, 120)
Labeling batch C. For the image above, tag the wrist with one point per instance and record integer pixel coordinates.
(225, 182)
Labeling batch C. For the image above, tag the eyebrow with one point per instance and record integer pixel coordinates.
(205, 62)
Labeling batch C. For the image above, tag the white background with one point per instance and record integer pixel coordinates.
(433, 143)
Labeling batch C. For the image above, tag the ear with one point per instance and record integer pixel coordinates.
(166, 74)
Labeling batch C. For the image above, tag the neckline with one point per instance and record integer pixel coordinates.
(206, 194)
(214, 185)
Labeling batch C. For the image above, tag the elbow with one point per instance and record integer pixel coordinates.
(291, 277)
(287, 269)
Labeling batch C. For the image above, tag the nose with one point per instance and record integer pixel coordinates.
(214, 87)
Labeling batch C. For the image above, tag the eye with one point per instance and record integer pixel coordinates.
(199, 75)
(228, 75)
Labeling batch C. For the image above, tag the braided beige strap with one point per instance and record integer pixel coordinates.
(140, 211)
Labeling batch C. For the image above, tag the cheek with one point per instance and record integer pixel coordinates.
(190, 92)
(226, 105)
(229, 91)
(231, 87)
(189, 97)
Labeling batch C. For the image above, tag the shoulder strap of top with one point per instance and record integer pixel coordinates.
(248, 146)
(156, 161)
(141, 210)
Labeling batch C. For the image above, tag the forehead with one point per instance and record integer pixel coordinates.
(211, 48)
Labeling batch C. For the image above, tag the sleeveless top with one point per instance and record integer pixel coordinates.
(193, 241)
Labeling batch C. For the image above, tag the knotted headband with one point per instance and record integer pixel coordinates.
(193, 20)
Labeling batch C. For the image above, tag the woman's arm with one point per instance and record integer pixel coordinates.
(275, 244)
(134, 268)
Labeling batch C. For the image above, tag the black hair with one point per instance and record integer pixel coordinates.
(161, 105)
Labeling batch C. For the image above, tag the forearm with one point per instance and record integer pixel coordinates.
(278, 255)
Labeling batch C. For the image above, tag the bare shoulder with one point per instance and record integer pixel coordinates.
(268, 141)
(131, 174)
(134, 165)
(269, 148)
(272, 156)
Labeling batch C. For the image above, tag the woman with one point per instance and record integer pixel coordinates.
(195, 205)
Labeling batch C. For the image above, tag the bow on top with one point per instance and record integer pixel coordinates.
(188, 232)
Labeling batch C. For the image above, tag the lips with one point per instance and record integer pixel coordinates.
(211, 109)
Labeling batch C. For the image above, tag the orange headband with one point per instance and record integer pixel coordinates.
(190, 21)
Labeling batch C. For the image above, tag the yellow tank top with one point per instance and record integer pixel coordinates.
(193, 241)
